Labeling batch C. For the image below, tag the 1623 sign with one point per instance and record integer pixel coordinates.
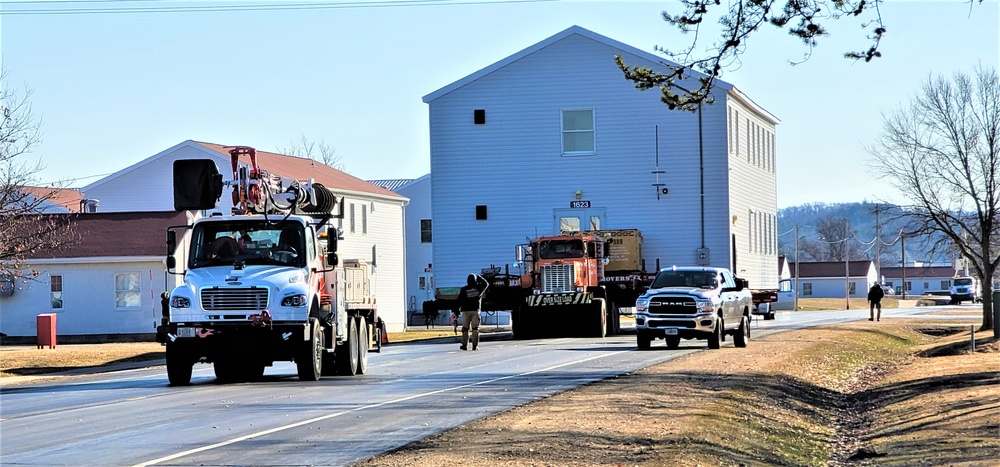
(579, 204)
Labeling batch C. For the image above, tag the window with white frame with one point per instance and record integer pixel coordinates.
(56, 291)
(364, 219)
(352, 217)
(578, 132)
(128, 293)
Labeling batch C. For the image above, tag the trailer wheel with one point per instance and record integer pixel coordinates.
(643, 340)
(179, 366)
(363, 342)
(600, 312)
(309, 361)
(715, 339)
(347, 353)
(673, 341)
(742, 335)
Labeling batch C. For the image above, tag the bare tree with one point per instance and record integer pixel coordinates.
(838, 239)
(24, 231)
(942, 150)
(317, 151)
(802, 18)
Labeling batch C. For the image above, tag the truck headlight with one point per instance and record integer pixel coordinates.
(641, 303)
(180, 302)
(294, 300)
(705, 306)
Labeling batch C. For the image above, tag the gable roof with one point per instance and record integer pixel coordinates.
(834, 269)
(112, 234)
(919, 272)
(572, 30)
(67, 198)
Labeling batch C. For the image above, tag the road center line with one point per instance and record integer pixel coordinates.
(364, 407)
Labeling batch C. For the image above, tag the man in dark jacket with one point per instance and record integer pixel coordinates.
(875, 295)
(470, 300)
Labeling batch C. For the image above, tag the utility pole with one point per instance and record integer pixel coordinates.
(878, 245)
(795, 288)
(847, 267)
(902, 247)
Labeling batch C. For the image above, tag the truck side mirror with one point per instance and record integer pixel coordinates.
(332, 259)
(171, 242)
(741, 284)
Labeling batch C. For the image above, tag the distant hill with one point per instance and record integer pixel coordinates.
(861, 217)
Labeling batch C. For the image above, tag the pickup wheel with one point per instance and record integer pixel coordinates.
(643, 340)
(309, 361)
(363, 342)
(673, 342)
(347, 353)
(179, 366)
(742, 335)
(715, 339)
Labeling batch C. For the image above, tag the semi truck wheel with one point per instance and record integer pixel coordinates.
(614, 319)
(715, 339)
(742, 335)
(363, 342)
(347, 353)
(309, 362)
(600, 312)
(179, 366)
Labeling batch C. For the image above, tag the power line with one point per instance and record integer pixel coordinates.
(37, 7)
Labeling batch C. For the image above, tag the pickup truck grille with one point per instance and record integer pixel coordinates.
(672, 306)
(254, 299)
(558, 278)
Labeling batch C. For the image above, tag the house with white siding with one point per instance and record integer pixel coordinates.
(553, 138)
(919, 279)
(372, 224)
(104, 285)
(832, 279)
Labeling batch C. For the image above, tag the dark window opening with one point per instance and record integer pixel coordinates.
(479, 116)
(481, 212)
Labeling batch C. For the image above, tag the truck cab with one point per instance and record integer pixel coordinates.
(694, 303)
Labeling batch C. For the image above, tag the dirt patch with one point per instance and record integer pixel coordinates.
(854, 394)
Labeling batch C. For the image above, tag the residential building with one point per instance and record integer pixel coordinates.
(832, 279)
(919, 279)
(553, 138)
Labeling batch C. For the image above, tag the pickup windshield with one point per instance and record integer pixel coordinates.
(249, 243)
(559, 249)
(699, 279)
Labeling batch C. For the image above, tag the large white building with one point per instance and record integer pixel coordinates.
(554, 138)
(372, 228)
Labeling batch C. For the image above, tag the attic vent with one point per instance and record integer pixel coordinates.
(479, 116)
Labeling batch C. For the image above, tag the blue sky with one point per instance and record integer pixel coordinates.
(113, 89)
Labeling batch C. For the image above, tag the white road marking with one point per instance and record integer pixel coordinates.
(364, 407)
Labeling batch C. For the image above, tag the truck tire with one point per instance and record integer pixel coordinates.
(643, 340)
(715, 339)
(742, 335)
(673, 341)
(309, 361)
(521, 325)
(179, 366)
(347, 353)
(226, 370)
(614, 319)
(600, 315)
(363, 342)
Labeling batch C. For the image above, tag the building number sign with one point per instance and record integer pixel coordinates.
(579, 204)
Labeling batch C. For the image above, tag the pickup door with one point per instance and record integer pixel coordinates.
(732, 307)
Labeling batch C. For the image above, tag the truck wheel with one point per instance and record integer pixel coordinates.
(309, 361)
(614, 319)
(347, 353)
(642, 340)
(226, 370)
(601, 314)
(520, 324)
(363, 342)
(673, 342)
(715, 339)
(742, 335)
(179, 366)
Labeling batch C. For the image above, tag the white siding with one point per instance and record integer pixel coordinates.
(513, 165)
(88, 299)
(418, 255)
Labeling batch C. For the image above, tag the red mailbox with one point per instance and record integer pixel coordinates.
(46, 330)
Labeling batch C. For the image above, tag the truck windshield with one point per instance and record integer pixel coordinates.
(963, 281)
(250, 243)
(699, 279)
(558, 249)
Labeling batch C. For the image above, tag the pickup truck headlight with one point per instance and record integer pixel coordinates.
(705, 306)
(294, 300)
(180, 302)
(641, 303)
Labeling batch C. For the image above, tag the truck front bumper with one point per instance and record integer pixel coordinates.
(685, 326)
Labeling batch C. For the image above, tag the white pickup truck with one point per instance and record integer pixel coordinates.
(694, 303)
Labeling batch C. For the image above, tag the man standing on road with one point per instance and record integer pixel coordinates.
(470, 299)
(875, 295)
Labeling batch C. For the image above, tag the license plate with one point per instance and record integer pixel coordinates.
(670, 332)
(185, 332)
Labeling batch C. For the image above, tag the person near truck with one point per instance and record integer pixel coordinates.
(875, 295)
(470, 298)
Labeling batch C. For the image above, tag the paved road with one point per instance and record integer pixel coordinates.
(411, 391)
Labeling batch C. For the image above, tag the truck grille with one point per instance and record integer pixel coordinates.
(672, 306)
(214, 299)
(557, 278)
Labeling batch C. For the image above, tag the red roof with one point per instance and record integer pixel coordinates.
(300, 168)
(105, 234)
(68, 198)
